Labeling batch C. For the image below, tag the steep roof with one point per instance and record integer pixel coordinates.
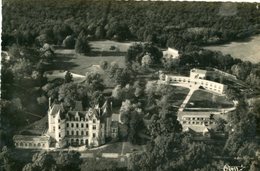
(56, 108)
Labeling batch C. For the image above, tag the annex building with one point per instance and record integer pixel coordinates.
(75, 127)
(197, 121)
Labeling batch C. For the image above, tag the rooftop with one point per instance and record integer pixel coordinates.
(196, 113)
(30, 138)
(199, 71)
(196, 128)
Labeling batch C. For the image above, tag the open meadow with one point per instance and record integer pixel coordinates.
(67, 59)
(244, 50)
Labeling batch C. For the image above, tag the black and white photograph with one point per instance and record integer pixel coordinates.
(130, 85)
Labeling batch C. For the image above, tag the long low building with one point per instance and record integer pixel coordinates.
(32, 141)
(206, 84)
(199, 122)
(197, 78)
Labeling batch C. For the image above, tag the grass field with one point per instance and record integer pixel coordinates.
(203, 99)
(244, 50)
(105, 45)
(179, 95)
(80, 64)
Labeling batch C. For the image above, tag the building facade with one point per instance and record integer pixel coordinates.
(171, 53)
(199, 122)
(197, 78)
(31, 142)
(74, 127)
(78, 127)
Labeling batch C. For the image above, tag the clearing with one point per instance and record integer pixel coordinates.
(245, 50)
(67, 59)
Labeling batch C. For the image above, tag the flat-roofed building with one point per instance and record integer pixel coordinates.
(199, 121)
(197, 78)
(198, 73)
(32, 141)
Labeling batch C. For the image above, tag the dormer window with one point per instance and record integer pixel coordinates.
(77, 119)
(94, 120)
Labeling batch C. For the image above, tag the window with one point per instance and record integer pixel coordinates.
(77, 125)
(77, 132)
(53, 129)
(59, 135)
(68, 133)
(86, 125)
(94, 120)
(68, 124)
(72, 125)
(82, 133)
(87, 133)
(82, 125)
(94, 135)
(72, 132)
(59, 120)
(59, 126)
(77, 118)
(94, 127)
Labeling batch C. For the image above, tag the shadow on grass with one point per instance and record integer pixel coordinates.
(62, 62)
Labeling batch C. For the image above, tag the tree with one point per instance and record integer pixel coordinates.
(134, 52)
(68, 77)
(70, 92)
(69, 42)
(94, 82)
(6, 159)
(22, 69)
(68, 161)
(41, 161)
(121, 76)
(220, 124)
(82, 45)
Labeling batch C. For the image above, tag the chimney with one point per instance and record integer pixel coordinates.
(49, 102)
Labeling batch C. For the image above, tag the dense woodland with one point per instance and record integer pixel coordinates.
(30, 26)
(164, 23)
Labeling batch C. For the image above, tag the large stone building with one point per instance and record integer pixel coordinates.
(75, 127)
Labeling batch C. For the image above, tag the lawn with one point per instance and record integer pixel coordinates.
(244, 50)
(203, 99)
(117, 148)
(106, 45)
(179, 94)
(80, 64)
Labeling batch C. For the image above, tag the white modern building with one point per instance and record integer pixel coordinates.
(198, 122)
(197, 77)
(171, 53)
